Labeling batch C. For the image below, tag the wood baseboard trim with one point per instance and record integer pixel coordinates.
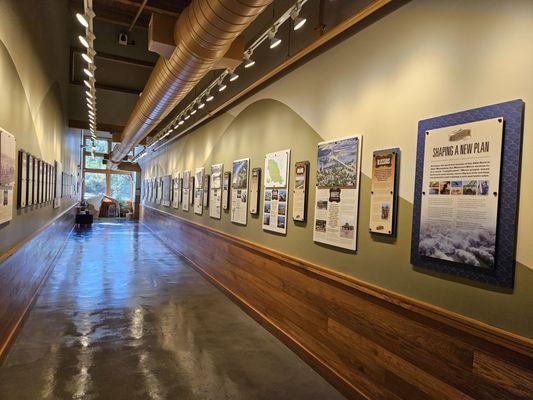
(349, 390)
(471, 328)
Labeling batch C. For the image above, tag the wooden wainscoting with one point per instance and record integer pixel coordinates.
(24, 268)
(369, 342)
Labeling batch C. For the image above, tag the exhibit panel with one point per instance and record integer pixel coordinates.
(384, 191)
(186, 190)
(466, 193)
(8, 155)
(198, 190)
(239, 191)
(337, 192)
(276, 191)
(215, 201)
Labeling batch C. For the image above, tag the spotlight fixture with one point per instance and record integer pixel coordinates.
(90, 106)
(91, 112)
(86, 82)
(248, 62)
(181, 122)
(89, 94)
(222, 86)
(88, 59)
(201, 105)
(88, 73)
(83, 41)
(274, 41)
(82, 20)
(297, 21)
(187, 117)
(233, 77)
(193, 111)
(209, 97)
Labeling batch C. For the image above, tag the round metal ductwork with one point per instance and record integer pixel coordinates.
(203, 34)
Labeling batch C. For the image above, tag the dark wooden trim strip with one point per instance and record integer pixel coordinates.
(8, 253)
(460, 322)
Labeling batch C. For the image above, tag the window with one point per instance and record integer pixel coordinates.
(121, 187)
(95, 162)
(100, 146)
(95, 184)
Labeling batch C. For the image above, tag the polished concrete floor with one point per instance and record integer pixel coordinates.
(122, 317)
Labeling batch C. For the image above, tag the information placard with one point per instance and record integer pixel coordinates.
(239, 191)
(216, 191)
(460, 189)
(383, 192)
(337, 192)
(186, 190)
(8, 154)
(165, 185)
(176, 190)
(300, 191)
(198, 190)
(254, 191)
(276, 194)
(226, 190)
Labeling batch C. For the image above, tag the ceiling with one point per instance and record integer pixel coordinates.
(123, 12)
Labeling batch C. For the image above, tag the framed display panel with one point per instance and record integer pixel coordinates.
(41, 182)
(58, 172)
(276, 193)
(384, 191)
(239, 191)
(22, 193)
(215, 191)
(45, 182)
(198, 190)
(37, 186)
(191, 190)
(165, 184)
(205, 190)
(226, 190)
(159, 182)
(31, 181)
(337, 192)
(8, 154)
(300, 191)
(176, 191)
(493, 198)
(254, 190)
(186, 190)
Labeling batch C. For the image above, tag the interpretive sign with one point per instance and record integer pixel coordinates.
(215, 192)
(466, 193)
(276, 194)
(239, 191)
(384, 193)
(299, 191)
(337, 192)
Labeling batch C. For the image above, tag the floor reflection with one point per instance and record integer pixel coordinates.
(121, 317)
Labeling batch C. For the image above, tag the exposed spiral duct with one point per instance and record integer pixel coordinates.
(203, 34)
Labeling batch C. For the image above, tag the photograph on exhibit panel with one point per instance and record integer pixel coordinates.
(458, 217)
(8, 154)
(337, 192)
(215, 191)
(239, 191)
(198, 190)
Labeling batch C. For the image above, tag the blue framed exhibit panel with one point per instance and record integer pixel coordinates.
(466, 193)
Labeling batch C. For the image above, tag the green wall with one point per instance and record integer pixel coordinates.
(269, 125)
(34, 58)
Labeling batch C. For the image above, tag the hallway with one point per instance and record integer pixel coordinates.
(122, 317)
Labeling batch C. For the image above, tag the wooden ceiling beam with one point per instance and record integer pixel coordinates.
(147, 7)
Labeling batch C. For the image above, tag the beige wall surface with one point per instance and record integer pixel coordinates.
(428, 58)
(34, 78)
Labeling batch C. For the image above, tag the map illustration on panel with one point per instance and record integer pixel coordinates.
(337, 163)
(276, 169)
